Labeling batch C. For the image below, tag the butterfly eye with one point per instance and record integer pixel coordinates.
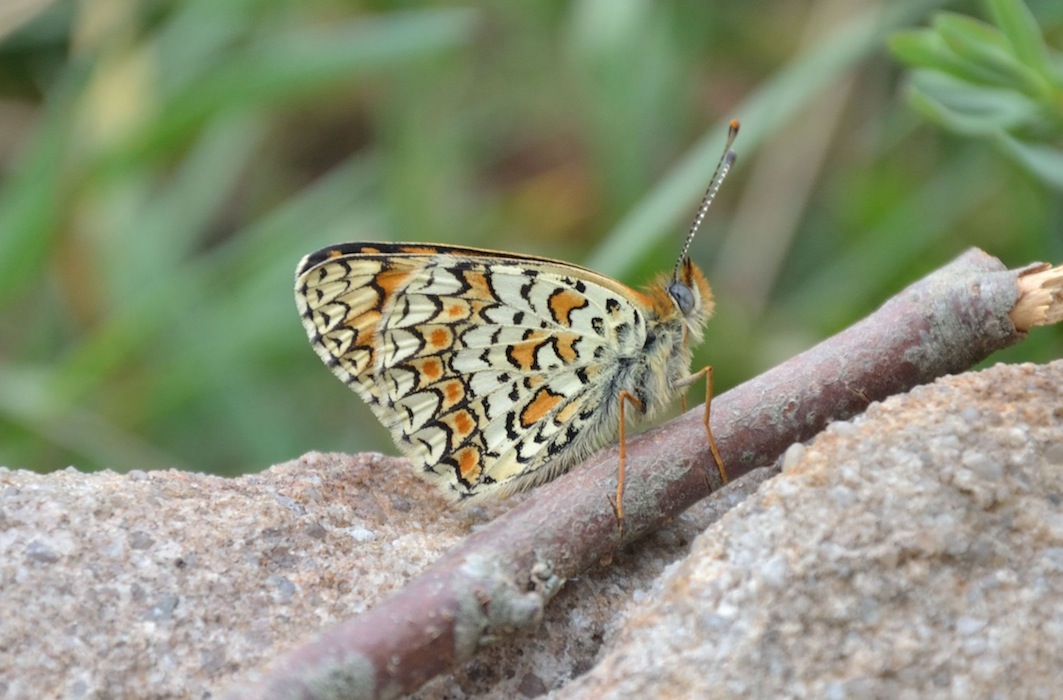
(684, 297)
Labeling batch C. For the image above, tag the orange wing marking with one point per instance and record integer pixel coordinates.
(540, 406)
(469, 466)
(563, 302)
(522, 354)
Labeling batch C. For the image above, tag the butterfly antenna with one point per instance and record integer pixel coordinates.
(722, 168)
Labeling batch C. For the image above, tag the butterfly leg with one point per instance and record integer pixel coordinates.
(618, 505)
(707, 373)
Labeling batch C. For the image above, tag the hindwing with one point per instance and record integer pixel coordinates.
(487, 368)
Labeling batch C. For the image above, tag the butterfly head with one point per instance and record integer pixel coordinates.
(689, 291)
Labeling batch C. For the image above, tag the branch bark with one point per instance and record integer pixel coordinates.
(499, 579)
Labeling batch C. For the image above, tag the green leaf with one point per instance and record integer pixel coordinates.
(921, 48)
(924, 48)
(968, 30)
(972, 109)
(983, 49)
(1024, 37)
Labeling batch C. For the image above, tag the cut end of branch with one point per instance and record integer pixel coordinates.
(1040, 298)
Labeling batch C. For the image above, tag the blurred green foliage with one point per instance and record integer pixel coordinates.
(166, 164)
(998, 82)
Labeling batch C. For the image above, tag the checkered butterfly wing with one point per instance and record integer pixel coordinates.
(490, 370)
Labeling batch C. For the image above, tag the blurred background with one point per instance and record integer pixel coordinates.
(164, 165)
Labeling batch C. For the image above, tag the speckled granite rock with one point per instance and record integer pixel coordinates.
(914, 552)
(908, 551)
(164, 584)
(168, 584)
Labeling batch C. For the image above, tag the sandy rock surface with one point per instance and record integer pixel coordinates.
(915, 550)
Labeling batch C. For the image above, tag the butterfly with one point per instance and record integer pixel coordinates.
(495, 372)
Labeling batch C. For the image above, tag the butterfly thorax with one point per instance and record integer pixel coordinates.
(679, 307)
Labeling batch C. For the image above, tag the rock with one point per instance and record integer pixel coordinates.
(917, 550)
(169, 584)
(164, 584)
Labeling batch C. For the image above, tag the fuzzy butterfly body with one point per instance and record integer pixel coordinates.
(495, 372)
(492, 371)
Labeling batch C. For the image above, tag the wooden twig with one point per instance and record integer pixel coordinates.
(499, 579)
(1041, 297)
